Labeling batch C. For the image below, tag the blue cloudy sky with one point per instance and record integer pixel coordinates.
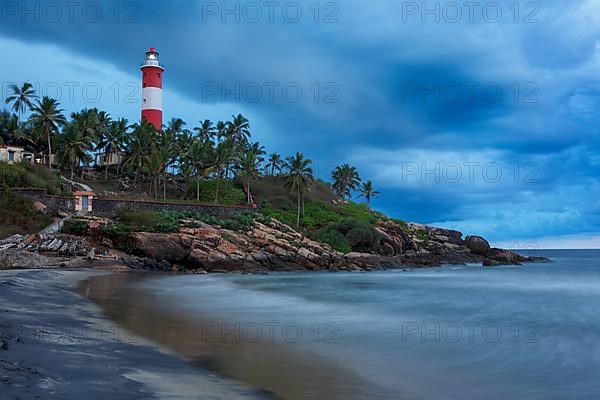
(482, 118)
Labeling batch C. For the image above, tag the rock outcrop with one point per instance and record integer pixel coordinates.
(273, 246)
(277, 247)
(478, 245)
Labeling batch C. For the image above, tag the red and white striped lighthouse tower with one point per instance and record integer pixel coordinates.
(152, 73)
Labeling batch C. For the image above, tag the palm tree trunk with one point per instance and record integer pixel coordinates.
(49, 147)
(135, 177)
(198, 190)
(302, 196)
(106, 171)
(217, 189)
(164, 187)
(298, 217)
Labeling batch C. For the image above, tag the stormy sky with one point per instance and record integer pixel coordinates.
(478, 116)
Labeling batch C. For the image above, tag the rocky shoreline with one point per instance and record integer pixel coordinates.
(199, 247)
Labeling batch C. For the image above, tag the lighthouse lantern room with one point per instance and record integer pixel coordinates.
(152, 73)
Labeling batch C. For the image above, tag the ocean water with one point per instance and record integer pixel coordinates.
(469, 332)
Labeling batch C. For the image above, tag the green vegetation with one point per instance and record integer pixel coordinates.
(319, 214)
(129, 221)
(423, 237)
(75, 226)
(350, 234)
(20, 216)
(229, 194)
(27, 175)
(346, 227)
(210, 163)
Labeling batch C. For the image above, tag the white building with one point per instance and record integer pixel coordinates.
(14, 154)
(110, 159)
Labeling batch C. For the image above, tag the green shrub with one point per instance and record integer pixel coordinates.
(27, 175)
(229, 194)
(360, 212)
(75, 227)
(349, 233)
(117, 230)
(423, 237)
(149, 221)
(333, 238)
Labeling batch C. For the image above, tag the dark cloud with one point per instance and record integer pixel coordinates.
(372, 55)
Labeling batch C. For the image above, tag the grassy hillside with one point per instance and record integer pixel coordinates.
(271, 191)
(19, 216)
(345, 226)
(27, 175)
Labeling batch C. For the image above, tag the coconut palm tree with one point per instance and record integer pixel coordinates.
(221, 131)
(103, 120)
(9, 126)
(175, 126)
(167, 145)
(368, 191)
(222, 157)
(21, 98)
(239, 129)
(139, 146)
(74, 146)
(199, 156)
(47, 116)
(299, 178)
(113, 142)
(345, 180)
(275, 163)
(206, 130)
(248, 169)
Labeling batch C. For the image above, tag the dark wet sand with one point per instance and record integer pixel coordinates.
(58, 345)
(277, 370)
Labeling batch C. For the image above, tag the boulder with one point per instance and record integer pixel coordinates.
(40, 207)
(18, 259)
(478, 245)
(505, 257)
(159, 246)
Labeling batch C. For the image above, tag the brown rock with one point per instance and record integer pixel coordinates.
(478, 245)
(159, 246)
(40, 207)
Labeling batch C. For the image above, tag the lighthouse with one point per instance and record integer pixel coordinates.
(152, 73)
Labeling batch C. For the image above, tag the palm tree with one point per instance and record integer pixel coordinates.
(346, 179)
(221, 131)
(155, 163)
(368, 191)
(8, 128)
(48, 116)
(139, 146)
(21, 98)
(206, 131)
(74, 146)
(275, 164)
(168, 147)
(199, 156)
(175, 126)
(113, 142)
(222, 157)
(249, 167)
(299, 178)
(239, 129)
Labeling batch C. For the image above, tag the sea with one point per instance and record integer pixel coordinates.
(454, 332)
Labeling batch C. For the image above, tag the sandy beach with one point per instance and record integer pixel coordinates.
(57, 344)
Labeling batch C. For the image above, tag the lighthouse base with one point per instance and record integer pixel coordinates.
(153, 117)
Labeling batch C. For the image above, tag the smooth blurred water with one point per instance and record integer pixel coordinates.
(447, 333)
